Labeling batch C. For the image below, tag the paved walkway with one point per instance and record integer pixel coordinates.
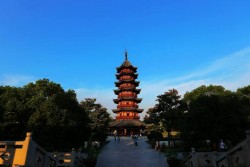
(124, 153)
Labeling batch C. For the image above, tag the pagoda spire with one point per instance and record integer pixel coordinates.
(126, 55)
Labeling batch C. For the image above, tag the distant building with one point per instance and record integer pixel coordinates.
(127, 113)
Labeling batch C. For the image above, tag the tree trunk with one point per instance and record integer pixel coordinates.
(169, 137)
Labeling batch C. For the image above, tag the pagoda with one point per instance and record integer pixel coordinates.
(127, 112)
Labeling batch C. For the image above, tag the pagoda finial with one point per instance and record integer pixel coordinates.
(126, 54)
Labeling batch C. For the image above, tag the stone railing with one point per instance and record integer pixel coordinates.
(24, 153)
(69, 159)
(238, 156)
(29, 154)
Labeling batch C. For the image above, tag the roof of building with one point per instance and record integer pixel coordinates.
(126, 64)
(117, 91)
(136, 83)
(127, 123)
(128, 109)
(118, 75)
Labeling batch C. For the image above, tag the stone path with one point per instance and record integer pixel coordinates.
(124, 153)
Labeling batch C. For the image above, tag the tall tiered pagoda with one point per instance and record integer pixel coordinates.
(127, 113)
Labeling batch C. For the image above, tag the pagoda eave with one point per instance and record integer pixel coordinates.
(117, 91)
(127, 110)
(127, 123)
(127, 81)
(131, 74)
(126, 73)
(130, 67)
(138, 100)
(118, 77)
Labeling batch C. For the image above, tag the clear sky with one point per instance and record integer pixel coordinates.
(179, 44)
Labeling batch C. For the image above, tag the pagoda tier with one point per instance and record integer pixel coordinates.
(135, 83)
(118, 76)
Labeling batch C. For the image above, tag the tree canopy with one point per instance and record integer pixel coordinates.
(214, 114)
(54, 116)
(167, 112)
(207, 113)
(99, 118)
(205, 90)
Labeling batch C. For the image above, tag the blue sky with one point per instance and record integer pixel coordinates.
(174, 43)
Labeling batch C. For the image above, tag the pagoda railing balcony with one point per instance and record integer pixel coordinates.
(127, 93)
(126, 87)
(135, 75)
(127, 117)
(122, 79)
(127, 106)
(126, 96)
(126, 78)
(127, 71)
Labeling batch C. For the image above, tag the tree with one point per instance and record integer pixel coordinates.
(244, 94)
(11, 112)
(169, 109)
(214, 116)
(99, 119)
(151, 117)
(55, 116)
(244, 91)
(205, 90)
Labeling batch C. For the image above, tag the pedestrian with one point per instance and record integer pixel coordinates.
(135, 141)
(222, 145)
(115, 133)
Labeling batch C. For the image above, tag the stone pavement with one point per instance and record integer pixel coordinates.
(124, 153)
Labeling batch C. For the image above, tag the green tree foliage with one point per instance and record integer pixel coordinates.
(11, 112)
(151, 117)
(214, 114)
(211, 113)
(99, 119)
(155, 135)
(154, 131)
(52, 114)
(244, 94)
(204, 90)
(244, 91)
(168, 111)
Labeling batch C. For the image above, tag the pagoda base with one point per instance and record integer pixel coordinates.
(126, 127)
